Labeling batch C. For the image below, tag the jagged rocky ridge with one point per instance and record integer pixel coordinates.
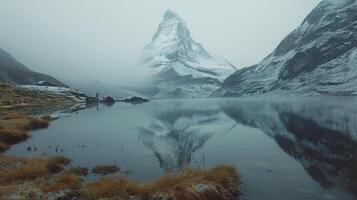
(181, 66)
(13, 72)
(317, 58)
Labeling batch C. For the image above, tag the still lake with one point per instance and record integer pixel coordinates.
(296, 148)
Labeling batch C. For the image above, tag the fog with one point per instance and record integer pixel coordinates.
(102, 39)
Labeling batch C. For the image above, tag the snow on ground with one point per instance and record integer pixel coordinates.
(75, 94)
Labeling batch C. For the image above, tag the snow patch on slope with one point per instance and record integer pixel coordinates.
(75, 94)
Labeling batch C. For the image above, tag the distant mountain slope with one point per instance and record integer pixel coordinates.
(13, 72)
(183, 68)
(319, 57)
(91, 87)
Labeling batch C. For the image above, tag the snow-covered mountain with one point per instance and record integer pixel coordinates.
(182, 67)
(317, 58)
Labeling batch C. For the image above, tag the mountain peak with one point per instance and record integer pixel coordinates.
(169, 14)
(172, 31)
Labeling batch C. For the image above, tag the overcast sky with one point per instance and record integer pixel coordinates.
(102, 39)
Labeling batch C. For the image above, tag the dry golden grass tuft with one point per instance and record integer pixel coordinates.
(225, 176)
(11, 159)
(22, 169)
(61, 160)
(220, 183)
(57, 164)
(4, 147)
(108, 187)
(64, 181)
(35, 123)
(14, 127)
(23, 172)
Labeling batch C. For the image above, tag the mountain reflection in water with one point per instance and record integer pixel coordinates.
(321, 135)
(177, 132)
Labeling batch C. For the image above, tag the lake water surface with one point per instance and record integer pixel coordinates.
(301, 148)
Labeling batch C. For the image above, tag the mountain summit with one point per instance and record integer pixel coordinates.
(172, 47)
(181, 66)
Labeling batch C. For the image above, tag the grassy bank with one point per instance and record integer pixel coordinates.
(46, 178)
(14, 98)
(14, 127)
(219, 183)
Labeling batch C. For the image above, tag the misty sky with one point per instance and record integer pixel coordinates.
(102, 39)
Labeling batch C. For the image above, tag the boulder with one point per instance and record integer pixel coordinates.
(135, 100)
(108, 100)
(91, 100)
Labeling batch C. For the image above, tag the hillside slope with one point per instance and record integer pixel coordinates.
(317, 58)
(13, 72)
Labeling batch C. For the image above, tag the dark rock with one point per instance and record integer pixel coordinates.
(135, 100)
(80, 171)
(91, 100)
(105, 169)
(108, 100)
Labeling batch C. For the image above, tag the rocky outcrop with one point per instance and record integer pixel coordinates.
(108, 100)
(135, 100)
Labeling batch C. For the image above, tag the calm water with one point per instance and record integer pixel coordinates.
(284, 149)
